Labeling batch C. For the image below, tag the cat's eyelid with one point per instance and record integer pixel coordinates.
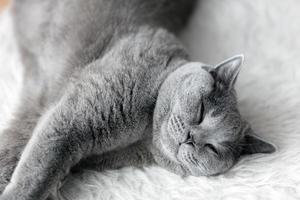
(200, 112)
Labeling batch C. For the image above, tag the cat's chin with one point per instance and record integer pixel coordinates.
(183, 155)
(204, 165)
(197, 173)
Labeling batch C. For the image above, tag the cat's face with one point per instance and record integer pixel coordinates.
(200, 128)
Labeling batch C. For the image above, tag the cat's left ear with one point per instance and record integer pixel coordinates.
(253, 144)
(227, 71)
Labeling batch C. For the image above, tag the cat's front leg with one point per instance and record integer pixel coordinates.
(14, 139)
(62, 137)
(54, 147)
(83, 123)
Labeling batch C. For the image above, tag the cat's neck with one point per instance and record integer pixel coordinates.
(153, 52)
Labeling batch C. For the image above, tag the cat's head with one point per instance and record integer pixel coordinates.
(197, 124)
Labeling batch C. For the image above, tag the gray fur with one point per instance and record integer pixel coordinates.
(107, 85)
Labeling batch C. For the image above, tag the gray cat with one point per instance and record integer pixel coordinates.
(106, 85)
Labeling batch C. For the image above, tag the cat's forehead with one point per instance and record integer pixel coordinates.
(195, 80)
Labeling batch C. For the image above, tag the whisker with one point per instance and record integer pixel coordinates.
(191, 159)
(179, 123)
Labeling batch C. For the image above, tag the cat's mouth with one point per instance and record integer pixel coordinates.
(209, 148)
(204, 160)
(189, 140)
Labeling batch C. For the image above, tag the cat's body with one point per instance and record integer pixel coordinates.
(64, 36)
(93, 74)
(59, 38)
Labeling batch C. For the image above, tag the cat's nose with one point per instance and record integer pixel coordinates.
(189, 139)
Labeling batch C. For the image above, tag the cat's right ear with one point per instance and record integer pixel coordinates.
(227, 71)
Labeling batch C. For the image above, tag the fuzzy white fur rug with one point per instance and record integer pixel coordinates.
(267, 32)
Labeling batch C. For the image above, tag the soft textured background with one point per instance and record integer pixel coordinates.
(267, 32)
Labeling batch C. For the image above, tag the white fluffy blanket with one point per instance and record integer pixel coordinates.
(267, 32)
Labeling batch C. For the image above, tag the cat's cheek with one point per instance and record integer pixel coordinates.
(186, 147)
(193, 170)
(183, 150)
(167, 143)
(176, 133)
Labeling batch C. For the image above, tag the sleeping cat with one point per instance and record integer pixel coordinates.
(106, 85)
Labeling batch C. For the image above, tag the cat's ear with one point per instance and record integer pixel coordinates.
(227, 71)
(253, 144)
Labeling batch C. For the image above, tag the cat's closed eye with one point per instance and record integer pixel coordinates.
(200, 114)
(211, 148)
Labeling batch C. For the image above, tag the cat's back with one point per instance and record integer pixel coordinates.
(65, 35)
(80, 23)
